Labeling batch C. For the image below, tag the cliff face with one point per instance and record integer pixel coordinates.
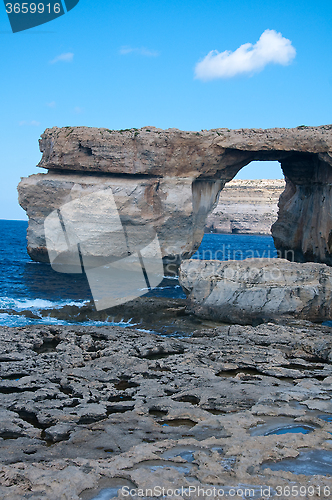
(246, 207)
(176, 208)
(172, 179)
(303, 231)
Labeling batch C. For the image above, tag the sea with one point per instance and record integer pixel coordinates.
(30, 291)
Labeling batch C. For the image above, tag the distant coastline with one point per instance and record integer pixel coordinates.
(246, 207)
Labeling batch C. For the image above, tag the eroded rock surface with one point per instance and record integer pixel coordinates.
(175, 207)
(253, 290)
(152, 151)
(83, 408)
(173, 179)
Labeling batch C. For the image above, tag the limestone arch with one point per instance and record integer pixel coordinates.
(180, 173)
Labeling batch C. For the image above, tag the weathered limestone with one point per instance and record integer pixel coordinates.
(84, 407)
(304, 222)
(174, 178)
(176, 207)
(151, 151)
(246, 207)
(254, 290)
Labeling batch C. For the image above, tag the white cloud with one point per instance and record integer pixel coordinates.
(51, 104)
(66, 57)
(78, 110)
(32, 123)
(142, 51)
(272, 47)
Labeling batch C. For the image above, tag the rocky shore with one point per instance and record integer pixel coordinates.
(86, 408)
(177, 400)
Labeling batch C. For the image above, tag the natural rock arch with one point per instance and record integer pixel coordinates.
(173, 178)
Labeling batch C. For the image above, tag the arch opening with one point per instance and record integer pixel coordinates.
(239, 227)
(248, 204)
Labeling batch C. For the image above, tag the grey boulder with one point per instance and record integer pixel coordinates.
(256, 290)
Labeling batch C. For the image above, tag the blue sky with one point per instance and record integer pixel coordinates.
(130, 64)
